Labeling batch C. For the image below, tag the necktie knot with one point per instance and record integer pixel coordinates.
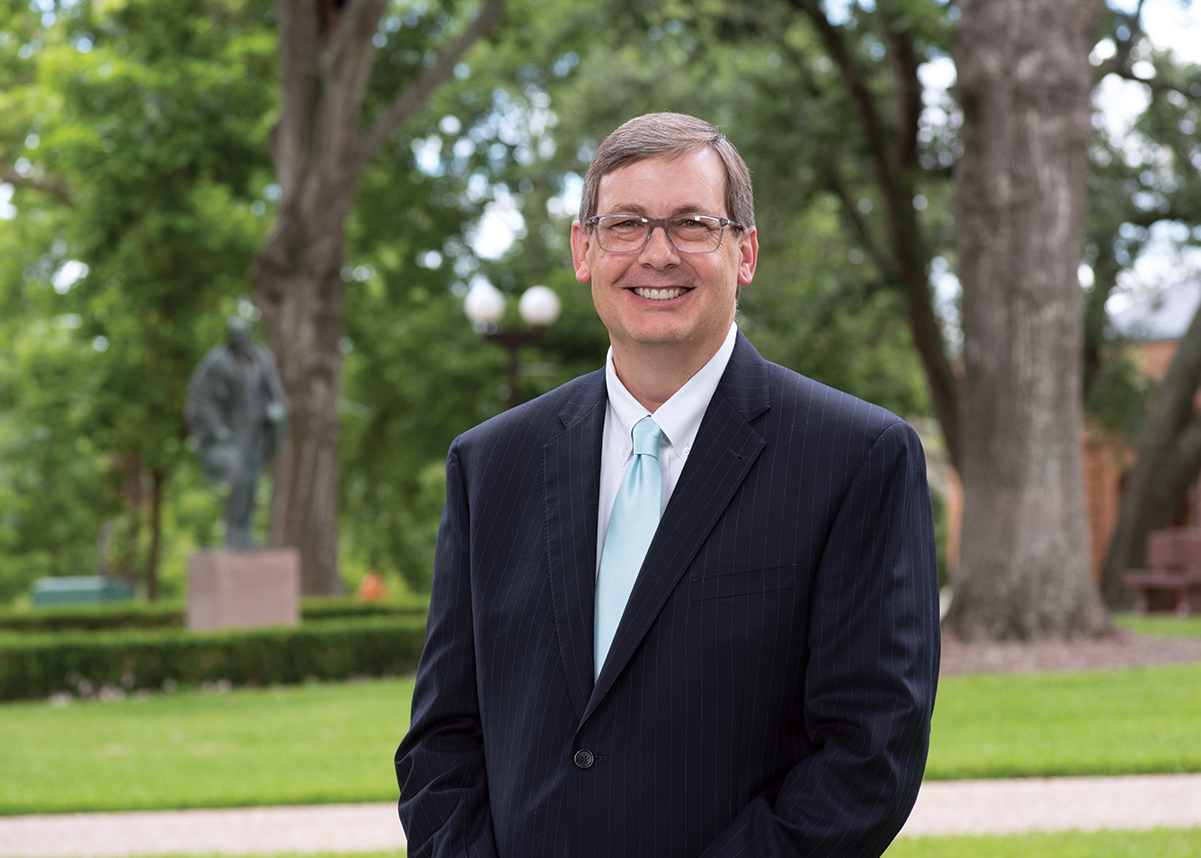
(647, 435)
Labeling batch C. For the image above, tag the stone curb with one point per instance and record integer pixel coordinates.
(943, 807)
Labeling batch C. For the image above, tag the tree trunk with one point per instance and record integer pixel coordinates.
(1024, 82)
(1168, 460)
(297, 275)
(131, 494)
(325, 60)
(158, 479)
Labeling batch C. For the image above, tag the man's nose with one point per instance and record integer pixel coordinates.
(658, 250)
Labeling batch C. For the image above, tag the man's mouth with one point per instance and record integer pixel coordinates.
(659, 294)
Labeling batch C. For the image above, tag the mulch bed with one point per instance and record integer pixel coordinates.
(1123, 649)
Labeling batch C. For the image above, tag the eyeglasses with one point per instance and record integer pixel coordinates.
(624, 233)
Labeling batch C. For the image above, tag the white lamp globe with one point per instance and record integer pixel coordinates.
(484, 304)
(539, 306)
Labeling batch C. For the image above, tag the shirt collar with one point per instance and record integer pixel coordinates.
(680, 416)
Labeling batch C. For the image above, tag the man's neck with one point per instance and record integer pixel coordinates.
(653, 373)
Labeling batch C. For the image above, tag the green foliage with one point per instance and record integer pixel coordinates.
(1059, 724)
(34, 665)
(170, 614)
(140, 132)
(1118, 395)
(308, 744)
(139, 223)
(1156, 843)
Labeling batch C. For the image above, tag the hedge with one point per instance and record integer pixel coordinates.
(170, 614)
(35, 666)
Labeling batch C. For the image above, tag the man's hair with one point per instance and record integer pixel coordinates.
(669, 135)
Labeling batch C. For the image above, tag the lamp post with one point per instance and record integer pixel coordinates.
(485, 307)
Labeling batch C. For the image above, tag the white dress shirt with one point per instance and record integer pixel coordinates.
(679, 418)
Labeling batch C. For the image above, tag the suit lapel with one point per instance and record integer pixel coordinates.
(571, 465)
(726, 448)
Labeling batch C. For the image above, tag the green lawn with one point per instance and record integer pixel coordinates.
(307, 744)
(1159, 843)
(334, 742)
(1160, 625)
(1096, 723)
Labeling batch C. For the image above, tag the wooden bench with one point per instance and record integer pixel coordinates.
(1174, 558)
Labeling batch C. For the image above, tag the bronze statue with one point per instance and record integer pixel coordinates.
(237, 413)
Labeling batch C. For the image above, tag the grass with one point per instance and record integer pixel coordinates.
(308, 744)
(1136, 721)
(1157, 843)
(334, 742)
(1160, 625)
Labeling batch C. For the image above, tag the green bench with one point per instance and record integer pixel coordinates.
(79, 590)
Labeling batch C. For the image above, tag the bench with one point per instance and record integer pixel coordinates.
(79, 590)
(1174, 558)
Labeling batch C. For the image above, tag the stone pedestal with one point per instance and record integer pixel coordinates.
(243, 589)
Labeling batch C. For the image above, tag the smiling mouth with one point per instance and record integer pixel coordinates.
(659, 294)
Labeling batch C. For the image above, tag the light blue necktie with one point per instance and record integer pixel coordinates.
(632, 525)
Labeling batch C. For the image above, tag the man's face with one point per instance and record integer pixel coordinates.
(658, 295)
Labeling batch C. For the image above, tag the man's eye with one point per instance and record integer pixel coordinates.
(627, 224)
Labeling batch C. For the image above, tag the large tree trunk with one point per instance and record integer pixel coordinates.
(1169, 458)
(325, 58)
(315, 148)
(1024, 82)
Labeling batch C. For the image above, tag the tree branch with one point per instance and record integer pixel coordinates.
(905, 63)
(356, 15)
(54, 186)
(1119, 63)
(874, 128)
(850, 212)
(412, 99)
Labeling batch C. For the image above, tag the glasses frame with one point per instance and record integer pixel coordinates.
(653, 222)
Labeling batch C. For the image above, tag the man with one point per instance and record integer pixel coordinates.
(761, 683)
(237, 414)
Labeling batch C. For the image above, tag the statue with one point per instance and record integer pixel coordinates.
(237, 413)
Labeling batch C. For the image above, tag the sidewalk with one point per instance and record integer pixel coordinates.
(943, 807)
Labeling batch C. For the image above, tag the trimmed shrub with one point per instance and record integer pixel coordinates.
(35, 665)
(170, 614)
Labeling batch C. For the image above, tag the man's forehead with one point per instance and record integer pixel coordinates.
(687, 182)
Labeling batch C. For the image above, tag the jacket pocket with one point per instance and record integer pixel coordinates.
(745, 582)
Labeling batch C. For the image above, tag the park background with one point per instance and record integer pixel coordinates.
(160, 174)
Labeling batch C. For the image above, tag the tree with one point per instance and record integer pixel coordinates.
(320, 152)
(1168, 460)
(1152, 178)
(1024, 84)
(143, 154)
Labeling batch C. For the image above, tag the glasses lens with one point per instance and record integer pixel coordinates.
(689, 233)
(621, 233)
(695, 234)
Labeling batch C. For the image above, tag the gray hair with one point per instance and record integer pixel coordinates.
(668, 135)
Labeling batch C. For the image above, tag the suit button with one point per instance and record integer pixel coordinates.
(584, 759)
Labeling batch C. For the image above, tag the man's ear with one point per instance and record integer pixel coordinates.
(580, 244)
(748, 250)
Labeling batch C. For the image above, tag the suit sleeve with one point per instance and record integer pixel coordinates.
(871, 675)
(440, 763)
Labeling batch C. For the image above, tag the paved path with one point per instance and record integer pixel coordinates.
(946, 807)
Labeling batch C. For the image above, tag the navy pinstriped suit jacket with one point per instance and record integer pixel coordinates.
(770, 685)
